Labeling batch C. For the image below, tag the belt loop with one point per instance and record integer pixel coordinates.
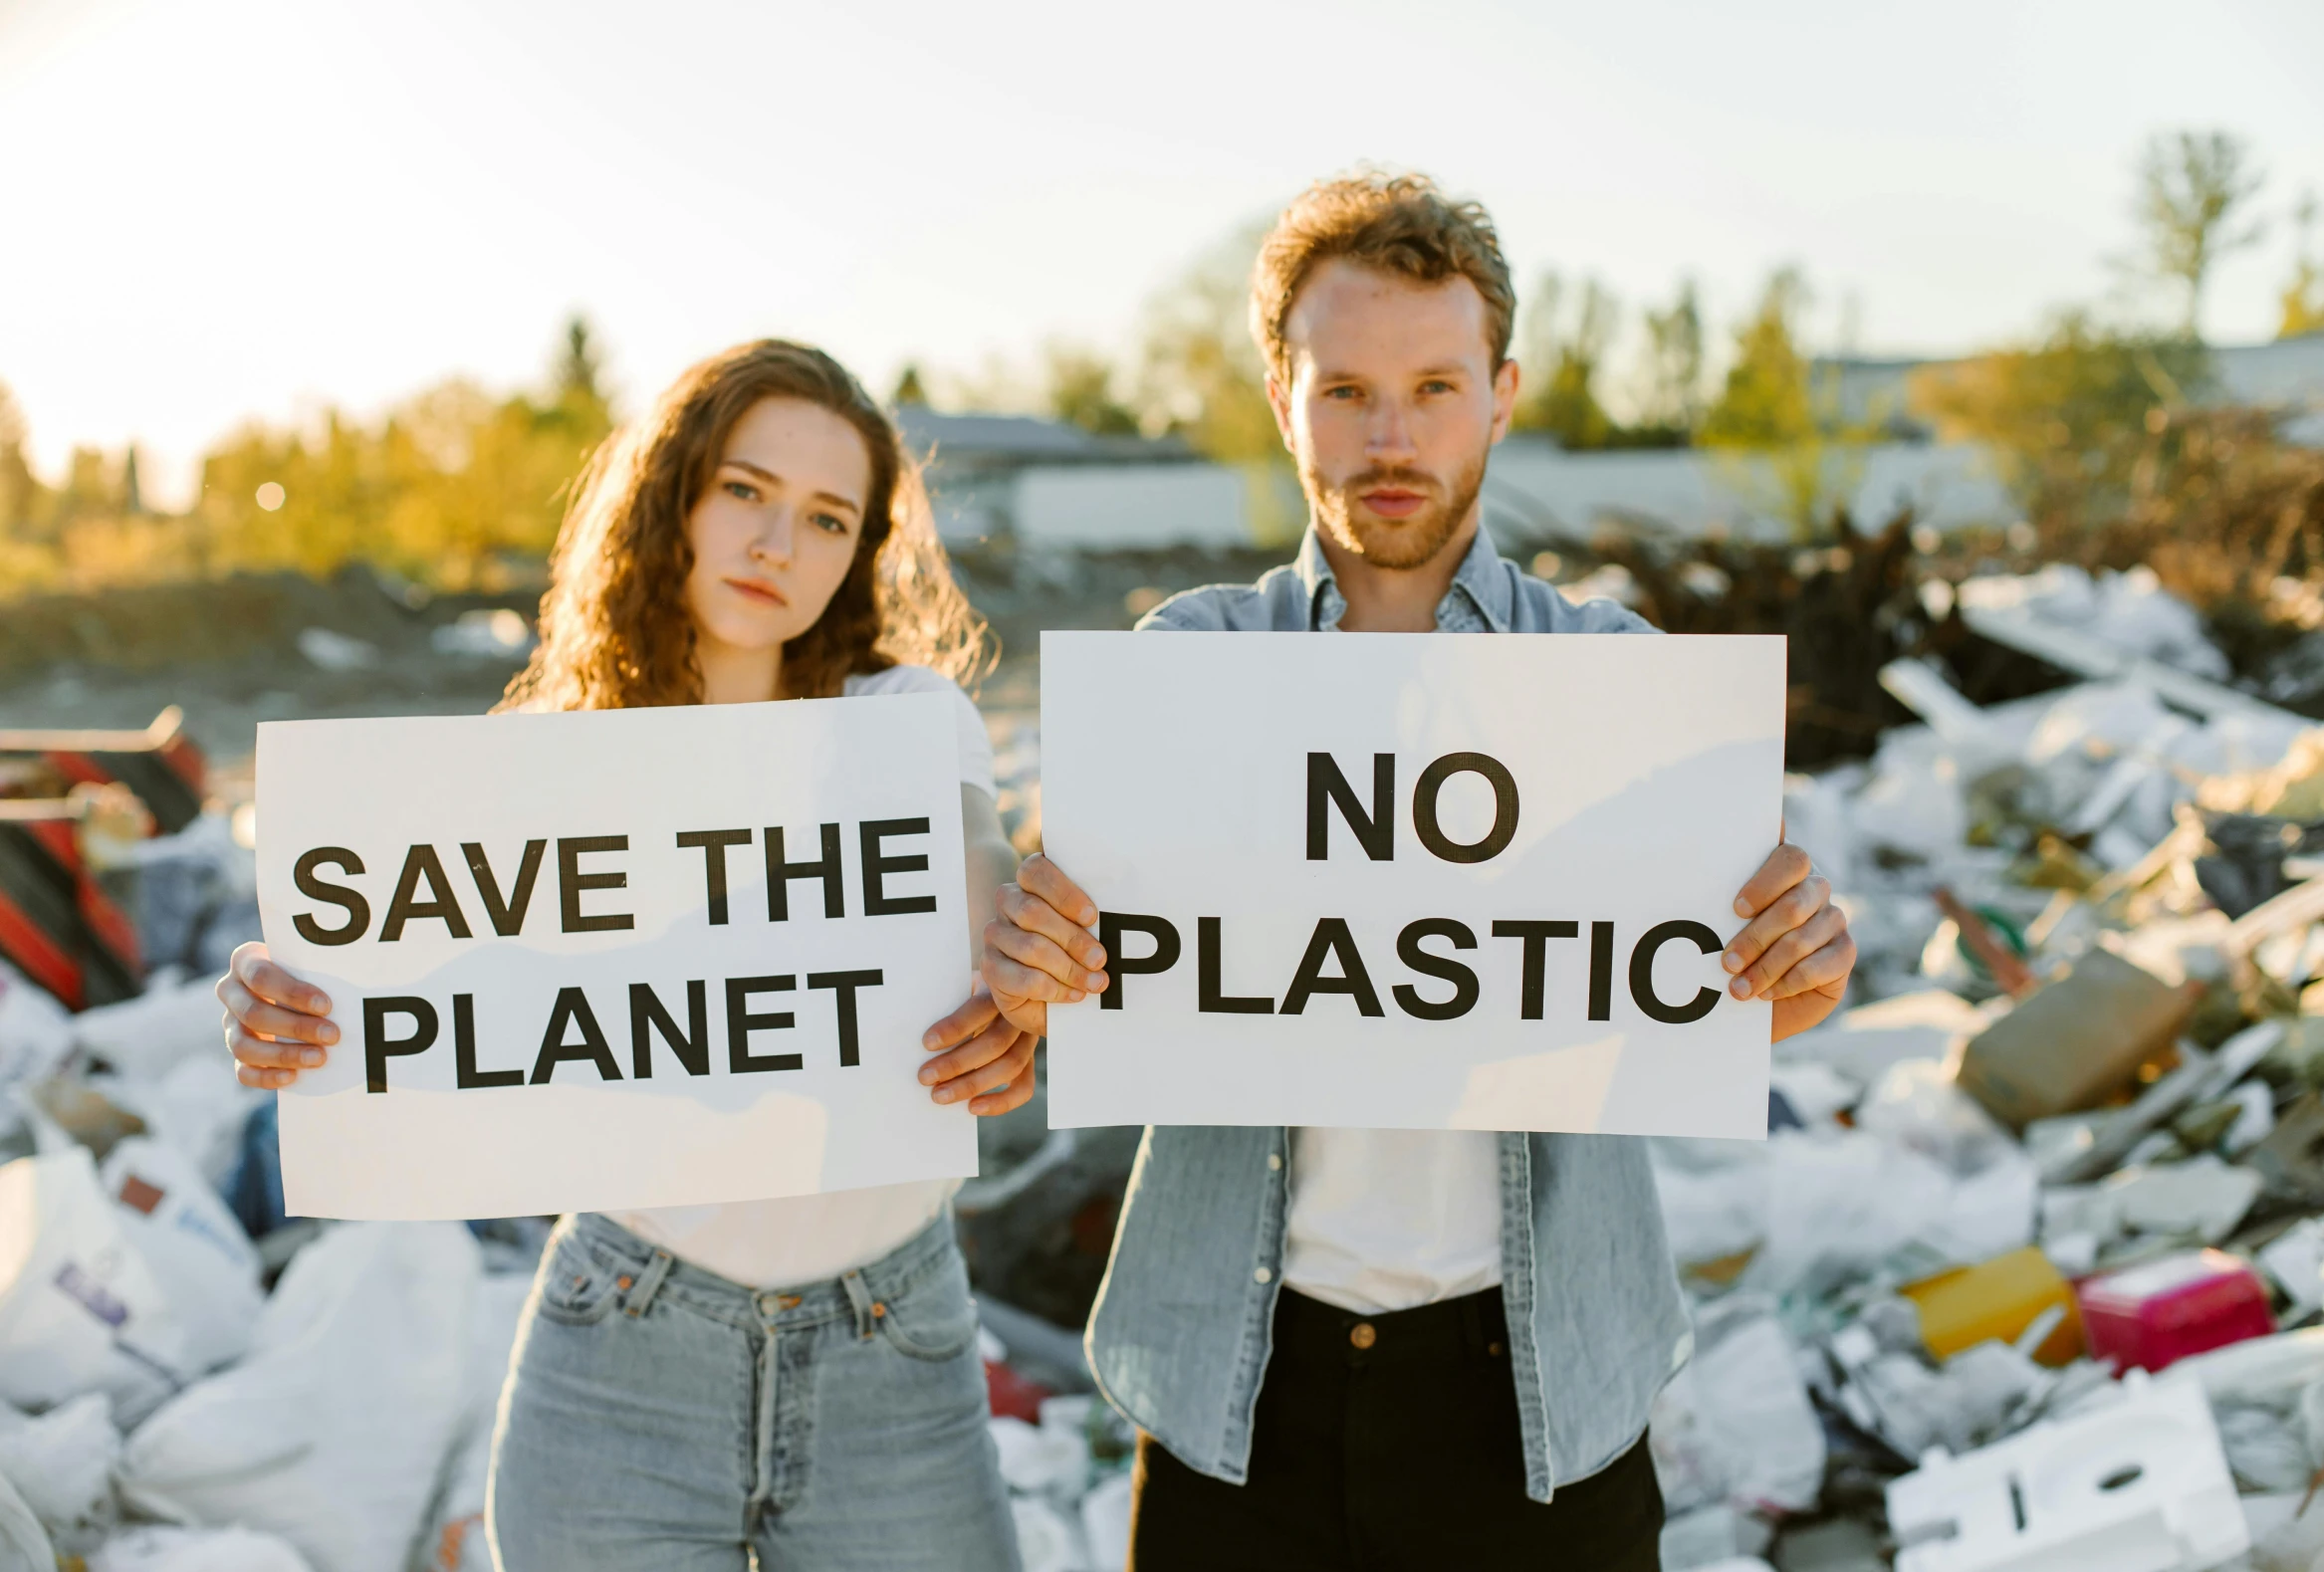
(859, 1298)
(634, 1304)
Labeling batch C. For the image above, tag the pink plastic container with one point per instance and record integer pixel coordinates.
(2147, 1316)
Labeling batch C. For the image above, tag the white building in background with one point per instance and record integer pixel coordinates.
(1534, 488)
(1046, 484)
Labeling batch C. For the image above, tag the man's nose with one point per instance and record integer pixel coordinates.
(1389, 437)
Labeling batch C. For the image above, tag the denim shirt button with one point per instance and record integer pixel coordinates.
(1275, 1161)
(1262, 1275)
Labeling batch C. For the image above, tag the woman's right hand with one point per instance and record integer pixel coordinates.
(273, 1023)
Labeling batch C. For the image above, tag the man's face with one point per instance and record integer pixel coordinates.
(1393, 404)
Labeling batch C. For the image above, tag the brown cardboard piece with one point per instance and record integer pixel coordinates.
(2075, 1042)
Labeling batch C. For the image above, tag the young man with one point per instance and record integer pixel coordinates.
(1391, 1348)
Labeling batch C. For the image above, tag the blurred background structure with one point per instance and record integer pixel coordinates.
(1981, 357)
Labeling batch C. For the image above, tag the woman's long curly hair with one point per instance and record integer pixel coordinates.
(616, 629)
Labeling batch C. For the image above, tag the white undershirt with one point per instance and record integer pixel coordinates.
(800, 1239)
(1386, 1219)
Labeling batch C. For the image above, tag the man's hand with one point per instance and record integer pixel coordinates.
(981, 1056)
(1037, 951)
(1795, 949)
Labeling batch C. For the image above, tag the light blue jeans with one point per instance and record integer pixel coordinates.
(658, 1416)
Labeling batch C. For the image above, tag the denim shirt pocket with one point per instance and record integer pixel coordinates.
(576, 1287)
(935, 1319)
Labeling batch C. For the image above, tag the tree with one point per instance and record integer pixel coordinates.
(22, 497)
(578, 365)
(2303, 298)
(2190, 187)
(2067, 416)
(1673, 368)
(1563, 365)
(1199, 373)
(1766, 402)
(1081, 382)
(908, 389)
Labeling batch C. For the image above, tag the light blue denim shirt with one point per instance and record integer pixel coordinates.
(1180, 1336)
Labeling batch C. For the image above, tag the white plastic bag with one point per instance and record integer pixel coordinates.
(196, 1550)
(455, 1538)
(62, 1461)
(195, 1248)
(1105, 1523)
(1735, 1425)
(24, 1544)
(332, 1433)
(80, 1309)
(35, 1031)
(1045, 1540)
(146, 1036)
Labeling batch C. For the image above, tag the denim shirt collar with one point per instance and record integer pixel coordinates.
(1479, 581)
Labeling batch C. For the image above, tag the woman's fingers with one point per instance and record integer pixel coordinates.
(974, 1015)
(944, 1071)
(273, 1021)
(1006, 1082)
(1038, 875)
(1028, 1016)
(261, 1055)
(1036, 915)
(255, 971)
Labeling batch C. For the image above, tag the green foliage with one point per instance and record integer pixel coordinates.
(908, 389)
(2066, 417)
(1766, 401)
(2191, 185)
(455, 488)
(1559, 366)
(1199, 373)
(1081, 391)
(2303, 296)
(1673, 370)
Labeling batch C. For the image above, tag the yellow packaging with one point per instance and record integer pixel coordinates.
(1996, 1300)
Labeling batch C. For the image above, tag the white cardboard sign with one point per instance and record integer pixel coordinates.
(1417, 881)
(564, 981)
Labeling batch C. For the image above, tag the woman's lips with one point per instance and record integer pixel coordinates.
(1394, 504)
(753, 590)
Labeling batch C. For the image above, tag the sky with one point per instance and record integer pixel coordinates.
(239, 209)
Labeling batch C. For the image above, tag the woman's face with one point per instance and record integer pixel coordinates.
(775, 531)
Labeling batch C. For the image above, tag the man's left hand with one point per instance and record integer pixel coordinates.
(1795, 949)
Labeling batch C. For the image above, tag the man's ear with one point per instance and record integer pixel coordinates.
(1279, 399)
(1504, 397)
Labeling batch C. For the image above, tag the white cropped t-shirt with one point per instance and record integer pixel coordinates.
(798, 1240)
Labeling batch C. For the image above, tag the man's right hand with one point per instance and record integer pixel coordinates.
(1037, 951)
(273, 1023)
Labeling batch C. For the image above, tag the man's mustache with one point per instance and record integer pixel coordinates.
(1407, 480)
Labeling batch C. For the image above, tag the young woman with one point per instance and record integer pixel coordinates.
(794, 1378)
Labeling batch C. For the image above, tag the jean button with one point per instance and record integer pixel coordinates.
(1363, 1335)
(768, 1303)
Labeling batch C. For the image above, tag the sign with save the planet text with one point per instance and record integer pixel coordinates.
(619, 959)
(1419, 881)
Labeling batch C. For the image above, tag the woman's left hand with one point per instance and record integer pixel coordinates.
(980, 1057)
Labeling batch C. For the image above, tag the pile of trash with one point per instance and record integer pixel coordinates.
(2029, 1273)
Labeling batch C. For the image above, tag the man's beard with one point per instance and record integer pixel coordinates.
(1393, 544)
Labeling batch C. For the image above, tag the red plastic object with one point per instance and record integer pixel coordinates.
(1012, 1395)
(2149, 1316)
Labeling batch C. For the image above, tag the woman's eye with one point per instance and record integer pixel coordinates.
(741, 488)
(1343, 394)
(830, 522)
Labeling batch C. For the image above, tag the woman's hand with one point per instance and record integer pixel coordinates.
(981, 1056)
(1038, 949)
(273, 1023)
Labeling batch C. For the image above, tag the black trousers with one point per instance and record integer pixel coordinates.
(1390, 1441)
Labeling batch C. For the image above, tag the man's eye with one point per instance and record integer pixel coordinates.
(1435, 385)
(742, 489)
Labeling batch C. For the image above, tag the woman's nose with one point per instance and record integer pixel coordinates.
(771, 544)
